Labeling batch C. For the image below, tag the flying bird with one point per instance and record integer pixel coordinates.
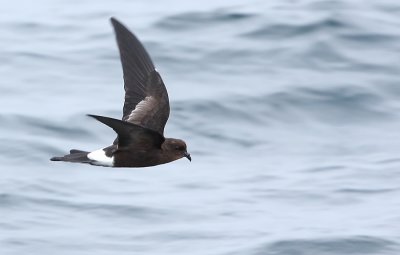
(140, 138)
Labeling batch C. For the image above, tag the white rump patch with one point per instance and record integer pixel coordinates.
(142, 109)
(100, 158)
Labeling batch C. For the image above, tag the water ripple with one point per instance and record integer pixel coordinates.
(287, 31)
(193, 20)
(359, 245)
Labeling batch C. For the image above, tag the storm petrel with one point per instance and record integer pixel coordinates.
(140, 138)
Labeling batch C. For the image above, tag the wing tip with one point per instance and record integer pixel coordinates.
(116, 23)
(92, 116)
(102, 119)
(113, 20)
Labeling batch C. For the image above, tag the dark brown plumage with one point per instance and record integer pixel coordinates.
(140, 141)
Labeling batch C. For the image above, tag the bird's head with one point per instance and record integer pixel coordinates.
(176, 147)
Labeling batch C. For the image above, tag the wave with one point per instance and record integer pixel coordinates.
(358, 245)
(339, 105)
(101, 209)
(193, 20)
(289, 30)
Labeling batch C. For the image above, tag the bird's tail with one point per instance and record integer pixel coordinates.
(76, 156)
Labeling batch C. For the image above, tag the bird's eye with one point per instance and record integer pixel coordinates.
(179, 148)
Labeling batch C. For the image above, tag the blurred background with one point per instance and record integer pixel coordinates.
(290, 110)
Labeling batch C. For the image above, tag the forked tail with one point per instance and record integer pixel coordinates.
(75, 156)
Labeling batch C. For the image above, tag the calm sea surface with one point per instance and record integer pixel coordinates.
(291, 111)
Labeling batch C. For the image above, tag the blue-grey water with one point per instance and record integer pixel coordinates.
(291, 111)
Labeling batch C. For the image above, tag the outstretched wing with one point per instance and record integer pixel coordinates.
(146, 98)
(132, 135)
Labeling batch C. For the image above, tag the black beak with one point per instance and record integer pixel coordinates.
(187, 155)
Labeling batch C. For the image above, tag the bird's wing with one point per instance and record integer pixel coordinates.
(132, 135)
(146, 98)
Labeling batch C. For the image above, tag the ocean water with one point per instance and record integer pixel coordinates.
(290, 110)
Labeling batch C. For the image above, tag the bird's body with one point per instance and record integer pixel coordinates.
(140, 141)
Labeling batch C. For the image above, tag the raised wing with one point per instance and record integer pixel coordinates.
(146, 98)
